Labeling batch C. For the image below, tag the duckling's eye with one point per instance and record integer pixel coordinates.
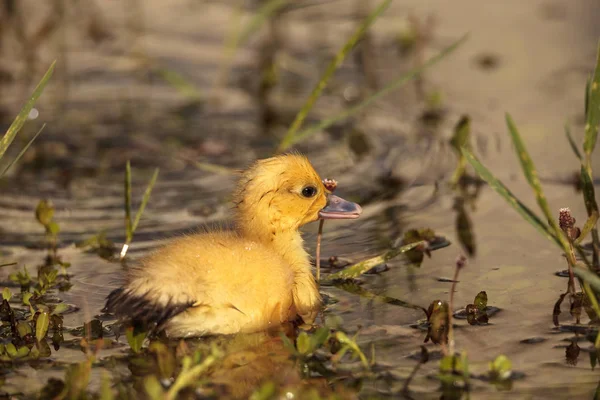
(309, 191)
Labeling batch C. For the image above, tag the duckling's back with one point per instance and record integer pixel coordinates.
(212, 283)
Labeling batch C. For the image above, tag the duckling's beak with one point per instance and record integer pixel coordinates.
(338, 208)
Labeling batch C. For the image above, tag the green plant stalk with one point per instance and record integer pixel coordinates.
(181, 84)
(288, 139)
(503, 191)
(318, 250)
(393, 85)
(592, 114)
(128, 224)
(591, 206)
(532, 177)
(188, 376)
(145, 199)
(18, 157)
(265, 12)
(460, 139)
(572, 143)
(360, 268)
(587, 228)
(23, 115)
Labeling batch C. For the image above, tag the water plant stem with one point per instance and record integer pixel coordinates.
(318, 250)
(288, 139)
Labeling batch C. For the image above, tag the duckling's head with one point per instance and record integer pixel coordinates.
(282, 193)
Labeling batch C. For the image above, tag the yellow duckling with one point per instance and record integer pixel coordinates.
(249, 279)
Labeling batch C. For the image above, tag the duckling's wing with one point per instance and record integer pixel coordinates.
(140, 309)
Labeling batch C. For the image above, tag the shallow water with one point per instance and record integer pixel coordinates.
(78, 163)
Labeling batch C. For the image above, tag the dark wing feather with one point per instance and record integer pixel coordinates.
(141, 309)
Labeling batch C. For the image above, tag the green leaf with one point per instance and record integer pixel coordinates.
(267, 9)
(22, 351)
(44, 212)
(18, 157)
(26, 298)
(360, 268)
(587, 228)
(319, 337)
(288, 139)
(503, 191)
(589, 277)
(6, 294)
(59, 309)
(128, 223)
(352, 345)
(287, 343)
(593, 112)
(572, 142)
(11, 350)
(23, 115)
(589, 194)
(153, 388)
(106, 392)
(41, 326)
(24, 329)
(53, 228)
(460, 139)
(145, 199)
(135, 339)
(454, 367)
(500, 368)
(531, 174)
(303, 343)
(481, 301)
(180, 83)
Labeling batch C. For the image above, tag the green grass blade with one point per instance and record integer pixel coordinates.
(592, 112)
(393, 85)
(288, 139)
(589, 277)
(503, 191)
(589, 193)
(23, 115)
(532, 177)
(460, 139)
(356, 270)
(181, 84)
(352, 287)
(587, 228)
(265, 12)
(572, 143)
(18, 157)
(145, 199)
(128, 230)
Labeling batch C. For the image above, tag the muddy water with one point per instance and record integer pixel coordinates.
(543, 51)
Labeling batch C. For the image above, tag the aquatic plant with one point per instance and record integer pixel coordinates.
(562, 230)
(131, 226)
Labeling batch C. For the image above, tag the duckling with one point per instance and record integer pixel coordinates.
(248, 279)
